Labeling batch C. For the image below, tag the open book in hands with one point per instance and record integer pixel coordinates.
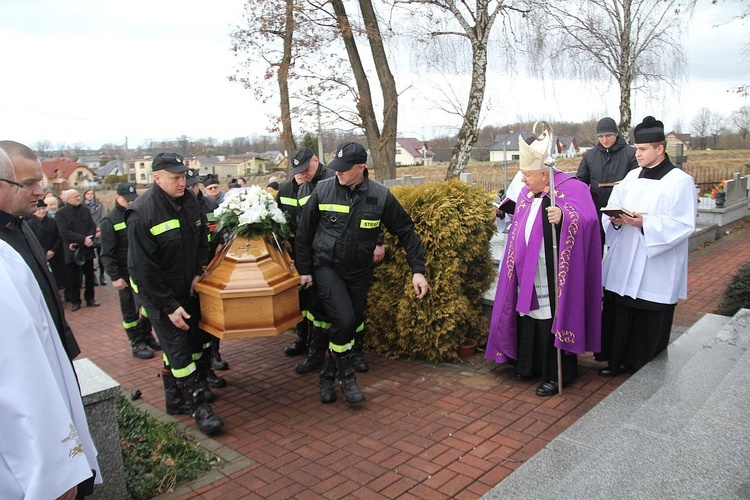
(616, 211)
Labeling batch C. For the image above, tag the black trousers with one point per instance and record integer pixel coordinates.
(344, 298)
(129, 306)
(634, 331)
(178, 345)
(73, 287)
(537, 354)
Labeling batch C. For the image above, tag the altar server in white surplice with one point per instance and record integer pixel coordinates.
(645, 267)
(45, 445)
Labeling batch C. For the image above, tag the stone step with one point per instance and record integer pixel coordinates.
(585, 443)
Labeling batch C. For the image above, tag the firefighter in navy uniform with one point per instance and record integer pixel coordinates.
(307, 171)
(336, 237)
(167, 245)
(114, 255)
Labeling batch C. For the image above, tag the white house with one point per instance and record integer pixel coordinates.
(505, 148)
(411, 151)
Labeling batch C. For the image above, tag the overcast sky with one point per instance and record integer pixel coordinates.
(93, 72)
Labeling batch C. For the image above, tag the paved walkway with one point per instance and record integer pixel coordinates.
(425, 431)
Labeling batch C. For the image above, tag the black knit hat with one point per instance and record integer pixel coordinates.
(210, 181)
(648, 131)
(606, 126)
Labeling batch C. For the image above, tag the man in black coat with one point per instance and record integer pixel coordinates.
(77, 229)
(45, 230)
(607, 163)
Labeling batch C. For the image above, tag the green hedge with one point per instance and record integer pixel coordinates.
(455, 222)
(737, 293)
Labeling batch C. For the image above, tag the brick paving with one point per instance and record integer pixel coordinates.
(425, 431)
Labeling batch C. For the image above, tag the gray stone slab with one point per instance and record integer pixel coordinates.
(679, 428)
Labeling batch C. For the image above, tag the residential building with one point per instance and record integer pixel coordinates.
(565, 146)
(505, 148)
(411, 151)
(65, 173)
(673, 139)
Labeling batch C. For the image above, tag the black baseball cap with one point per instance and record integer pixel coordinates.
(301, 159)
(191, 177)
(127, 191)
(171, 162)
(348, 155)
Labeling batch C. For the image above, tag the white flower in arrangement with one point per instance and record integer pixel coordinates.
(251, 212)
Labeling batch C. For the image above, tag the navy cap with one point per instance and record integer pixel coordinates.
(191, 177)
(348, 155)
(210, 181)
(301, 159)
(171, 162)
(127, 190)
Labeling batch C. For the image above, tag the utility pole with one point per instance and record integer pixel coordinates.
(321, 153)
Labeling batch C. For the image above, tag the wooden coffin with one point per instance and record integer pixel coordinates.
(250, 289)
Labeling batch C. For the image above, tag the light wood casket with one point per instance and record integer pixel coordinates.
(250, 289)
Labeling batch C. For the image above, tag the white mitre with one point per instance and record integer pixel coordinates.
(534, 156)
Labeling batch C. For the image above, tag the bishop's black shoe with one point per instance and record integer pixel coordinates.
(547, 389)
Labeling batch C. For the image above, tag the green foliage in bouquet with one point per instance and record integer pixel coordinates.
(455, 222)
(251, 212)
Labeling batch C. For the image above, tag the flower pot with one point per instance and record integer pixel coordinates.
(467, 348)
(250, 289)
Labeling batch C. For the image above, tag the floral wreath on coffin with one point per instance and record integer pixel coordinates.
(252, 212)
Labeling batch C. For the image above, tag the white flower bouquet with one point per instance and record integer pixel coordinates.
(251, 212)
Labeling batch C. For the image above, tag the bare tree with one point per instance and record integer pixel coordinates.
(633, 42)
(700, 125)
(382, 143)
(474, 24)
(716, 128)
(741, 121)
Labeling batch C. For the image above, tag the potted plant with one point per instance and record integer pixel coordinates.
(466, 348)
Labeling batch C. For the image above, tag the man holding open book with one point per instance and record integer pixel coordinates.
(645, 269)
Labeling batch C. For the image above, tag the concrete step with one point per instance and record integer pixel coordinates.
(590, 457)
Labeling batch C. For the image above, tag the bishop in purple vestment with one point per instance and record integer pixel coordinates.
(528, 321)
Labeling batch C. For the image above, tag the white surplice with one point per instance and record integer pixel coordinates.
(45, 444)
(651, 264)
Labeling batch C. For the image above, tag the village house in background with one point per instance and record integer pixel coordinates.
(673, 139)
(411, 151)
(65, 173)
(565, 147)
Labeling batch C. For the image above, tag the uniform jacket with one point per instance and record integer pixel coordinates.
(601, 165)
(167, 246)
(286, 199)
(114, 237)
(339, 227)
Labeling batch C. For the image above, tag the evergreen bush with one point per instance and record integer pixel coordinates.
(455, 222)
(737, 293)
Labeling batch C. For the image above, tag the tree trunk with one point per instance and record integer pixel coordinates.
(384, 152)
(467, 135)
(625, 76)
(287, 135)
(364, 101)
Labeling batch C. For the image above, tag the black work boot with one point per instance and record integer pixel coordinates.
(328, 381)
(347, 380)
(192, 390)
(137, 347)
(216, 362)
(214, 380)
(173, 398)
(299, 346)
(316, 351)
(147, 336)
(358, 355)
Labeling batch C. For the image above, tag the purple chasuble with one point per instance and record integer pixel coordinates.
(577, 321)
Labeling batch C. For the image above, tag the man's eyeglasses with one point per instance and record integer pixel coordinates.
(13, 183)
